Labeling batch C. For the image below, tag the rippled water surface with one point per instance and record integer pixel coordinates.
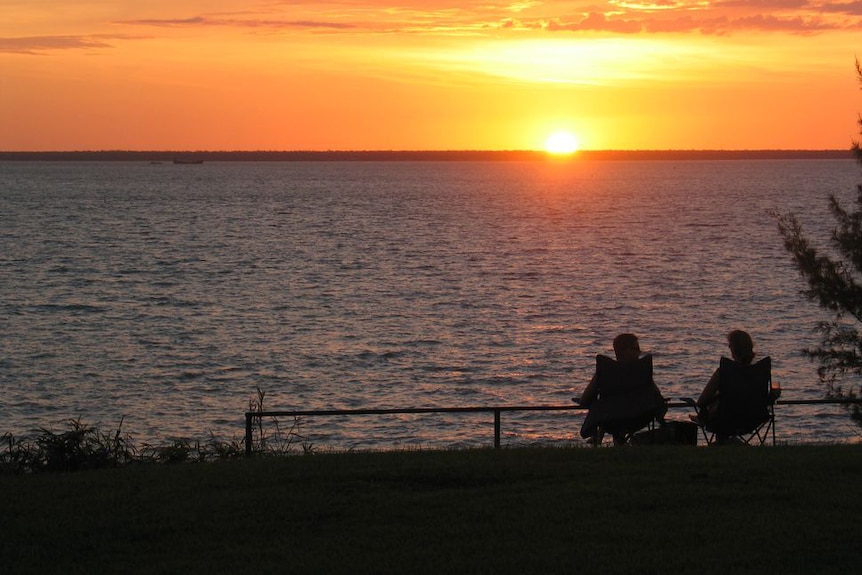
(167, 294)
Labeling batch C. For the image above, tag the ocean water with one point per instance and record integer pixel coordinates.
(164, 296)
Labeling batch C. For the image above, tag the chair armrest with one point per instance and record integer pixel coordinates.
(689, 402)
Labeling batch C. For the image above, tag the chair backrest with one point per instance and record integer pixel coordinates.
(614, 378)
(744, 396)
(626, 389)
(627, 397)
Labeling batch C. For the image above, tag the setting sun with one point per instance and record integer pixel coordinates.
(561, 143)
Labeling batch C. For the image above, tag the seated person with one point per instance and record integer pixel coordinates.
(742, 351)
(708, 404)
(622, 397)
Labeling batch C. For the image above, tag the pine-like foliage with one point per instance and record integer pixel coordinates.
(835, 283)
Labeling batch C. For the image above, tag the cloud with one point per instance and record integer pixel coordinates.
(39, 44)
(201, 21)
(797, 24)
(168, 23)
(596, 22)
(849, 8)
(725, 17)
(449, 18)
(761, 5)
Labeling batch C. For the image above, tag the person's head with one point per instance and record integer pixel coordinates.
(741, 346)
(626, 347)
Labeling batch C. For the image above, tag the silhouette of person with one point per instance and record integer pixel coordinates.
(742, 351)
(622, 396)
(748, 408)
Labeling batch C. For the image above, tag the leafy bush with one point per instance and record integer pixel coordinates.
(81, 447)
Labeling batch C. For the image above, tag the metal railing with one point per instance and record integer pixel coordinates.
(250, 416)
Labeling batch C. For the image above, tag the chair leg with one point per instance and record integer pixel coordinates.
(708, 437)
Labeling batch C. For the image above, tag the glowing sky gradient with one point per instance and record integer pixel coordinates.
(427, 74)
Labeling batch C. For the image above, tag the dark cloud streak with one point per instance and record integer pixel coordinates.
(35, 45)
(849, 8)
(200, 21)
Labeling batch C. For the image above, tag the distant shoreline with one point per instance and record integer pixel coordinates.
(441, 155)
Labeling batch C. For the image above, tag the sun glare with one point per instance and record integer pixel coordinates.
(561, 143)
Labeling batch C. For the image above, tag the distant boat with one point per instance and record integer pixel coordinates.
(181, 161)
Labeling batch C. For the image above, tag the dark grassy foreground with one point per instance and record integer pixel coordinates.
(630, 510)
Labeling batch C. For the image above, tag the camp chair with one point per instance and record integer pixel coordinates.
(744, 412)
(627, 401)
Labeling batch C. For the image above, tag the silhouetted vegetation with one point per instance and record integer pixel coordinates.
(81, 447)
(269, 437)
(835, 283)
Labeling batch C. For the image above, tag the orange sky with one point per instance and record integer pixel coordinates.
(432, 74)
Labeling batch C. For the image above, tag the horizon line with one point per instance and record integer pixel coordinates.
(287, 155)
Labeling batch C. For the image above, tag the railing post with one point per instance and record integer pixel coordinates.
(496, 429)
(248, 428)
(773, 425)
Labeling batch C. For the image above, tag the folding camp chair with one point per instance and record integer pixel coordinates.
(628, 400)
(744, 412)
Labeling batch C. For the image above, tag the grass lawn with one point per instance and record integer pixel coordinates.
(634, 510)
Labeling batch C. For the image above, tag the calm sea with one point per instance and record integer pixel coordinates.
(165, 295)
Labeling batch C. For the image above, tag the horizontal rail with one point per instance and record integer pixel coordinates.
(816, 401)
(496, 410)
